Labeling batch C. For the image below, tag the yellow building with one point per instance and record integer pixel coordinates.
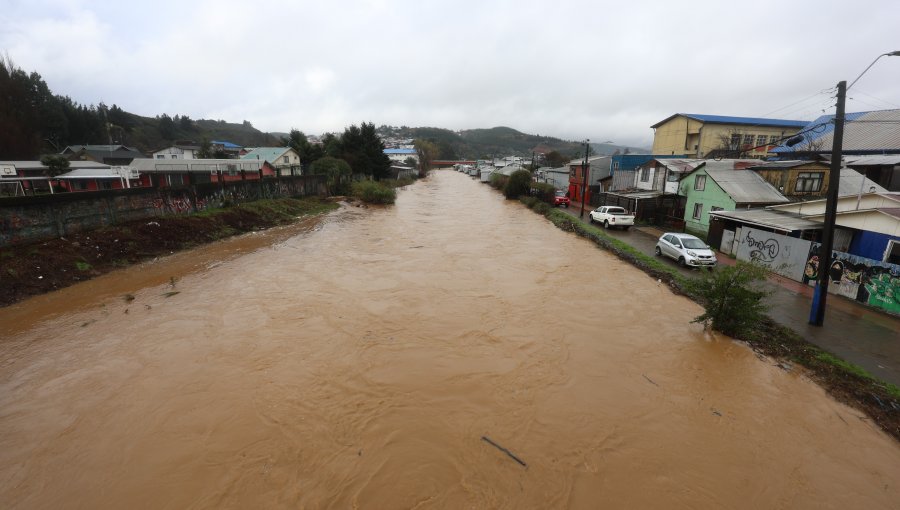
(704, 136)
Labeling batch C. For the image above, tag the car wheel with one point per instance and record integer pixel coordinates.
(626, 227)
(658, 252)
(682, 262)
(606, 224)
(567, 206)
(590, 219)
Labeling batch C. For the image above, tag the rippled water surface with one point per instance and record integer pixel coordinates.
(358, 362)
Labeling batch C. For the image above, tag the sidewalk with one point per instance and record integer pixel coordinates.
(860, 335)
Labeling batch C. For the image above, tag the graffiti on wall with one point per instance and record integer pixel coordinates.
(782, 254)
(868, 281)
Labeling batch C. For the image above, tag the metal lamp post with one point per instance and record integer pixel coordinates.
(817, 311)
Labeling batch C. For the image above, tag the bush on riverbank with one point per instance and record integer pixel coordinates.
(46, 266)
(519, 184)
(544, 191)
(374, 192)
(732, 297)
(498, 181)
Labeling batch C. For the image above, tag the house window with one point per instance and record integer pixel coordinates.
(287, 159)
(762, 140)
(892, 253)
(715, 208)
(698, 210)
(699, 182)
(809, 182)
(645, 174)
(174, 156)
(160, 156)
(616, 165)
(735, 141)
(748, 139)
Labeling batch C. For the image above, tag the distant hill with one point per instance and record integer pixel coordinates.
(484, 143)
(148, 134)
(608, 149)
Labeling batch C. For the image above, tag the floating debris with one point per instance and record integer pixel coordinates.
(504, 450)
(651, 380)
(128, 298)
(171, 293)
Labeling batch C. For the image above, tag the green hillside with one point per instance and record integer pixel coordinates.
(484, 143)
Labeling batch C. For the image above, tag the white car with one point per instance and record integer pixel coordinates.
(688, 250)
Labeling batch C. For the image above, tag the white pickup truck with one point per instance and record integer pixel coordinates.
(611, 216)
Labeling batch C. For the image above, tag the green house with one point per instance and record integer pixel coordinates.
(717, 189)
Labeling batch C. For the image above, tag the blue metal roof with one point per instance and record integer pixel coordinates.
(875, 136)
(411, 152)
(753, 121)
(227, 145)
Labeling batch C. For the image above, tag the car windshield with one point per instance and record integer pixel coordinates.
(560, 193)
(693, 243)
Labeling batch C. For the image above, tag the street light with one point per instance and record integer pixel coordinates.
(817, 312)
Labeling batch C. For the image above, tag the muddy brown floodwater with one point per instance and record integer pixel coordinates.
(357, 362)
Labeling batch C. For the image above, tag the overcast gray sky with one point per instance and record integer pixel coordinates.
(567, 68)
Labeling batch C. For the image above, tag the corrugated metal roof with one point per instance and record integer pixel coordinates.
(887, 160)
(195, 165)
(90, 173)
(770, 218)
(863, 131)
(638, 195)
(894, 212)
(37, 165)
(854, 183)
(783, 164)
(270, 154)
(411, 152)
(227, 145)
(749, 121)
(746, 186)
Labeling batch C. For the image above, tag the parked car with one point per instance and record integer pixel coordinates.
(560, 198)
(611, 216)
(688, 250)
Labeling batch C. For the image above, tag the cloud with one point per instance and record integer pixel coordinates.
(572, 69)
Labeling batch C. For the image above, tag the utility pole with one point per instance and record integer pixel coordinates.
(817, 313)
(584, 174)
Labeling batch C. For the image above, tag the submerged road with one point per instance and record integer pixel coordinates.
(452, 351)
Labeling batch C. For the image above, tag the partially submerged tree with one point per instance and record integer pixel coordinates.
(427, 152)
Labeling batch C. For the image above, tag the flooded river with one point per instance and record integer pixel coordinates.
(358, 361)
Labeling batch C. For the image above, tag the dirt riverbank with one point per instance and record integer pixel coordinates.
(37, 268)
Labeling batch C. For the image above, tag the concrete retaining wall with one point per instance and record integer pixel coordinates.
(34, 218)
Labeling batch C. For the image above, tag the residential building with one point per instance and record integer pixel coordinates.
(227, 149)
(796, 179)
(703, 136)
(106, 154)
(597, 170)
(884, 170)
(401, 155)
(178, 151)
(709, 189)
(558, 177)
(156, 173)
(284, 159)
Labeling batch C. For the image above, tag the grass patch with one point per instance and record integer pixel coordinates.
(83, 266)
(373, 192)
